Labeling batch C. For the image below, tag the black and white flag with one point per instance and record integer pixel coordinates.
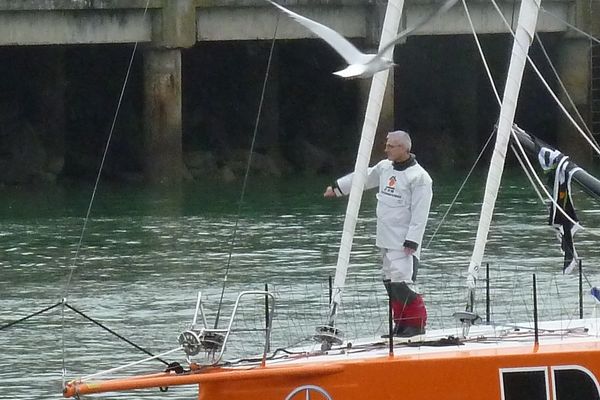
(556, 162)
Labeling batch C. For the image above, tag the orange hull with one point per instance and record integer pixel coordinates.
(450, 374)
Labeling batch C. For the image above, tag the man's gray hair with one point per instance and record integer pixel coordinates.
(402, 137)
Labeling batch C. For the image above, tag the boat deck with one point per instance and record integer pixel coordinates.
(481, 338)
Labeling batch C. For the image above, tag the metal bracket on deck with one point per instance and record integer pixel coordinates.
(212, 341)
(467, 319)
(328, 336)
(193, 341)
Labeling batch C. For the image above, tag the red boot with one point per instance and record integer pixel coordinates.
(414, 316)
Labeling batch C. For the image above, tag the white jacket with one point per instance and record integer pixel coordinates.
(403, 202)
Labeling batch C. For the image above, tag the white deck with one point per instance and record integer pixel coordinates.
(480, 337)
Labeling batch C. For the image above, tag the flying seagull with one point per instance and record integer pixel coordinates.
(360, 65)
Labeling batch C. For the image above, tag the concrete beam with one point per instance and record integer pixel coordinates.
(251, 23)
(178, 26)
(54, 5)
(485, 18)
(360, 20)
(82, 27)
(180, 23)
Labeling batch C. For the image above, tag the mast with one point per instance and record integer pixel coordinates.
(524, 35)
(391, 23)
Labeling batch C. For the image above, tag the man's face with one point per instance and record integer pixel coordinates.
(395, 150)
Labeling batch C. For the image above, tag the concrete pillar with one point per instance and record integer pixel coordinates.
(163, 162)
(386, 118)
(574, 71)
(163, 158)
(594, 14)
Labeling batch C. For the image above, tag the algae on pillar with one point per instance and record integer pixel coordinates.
(163, 159)
(163, 153)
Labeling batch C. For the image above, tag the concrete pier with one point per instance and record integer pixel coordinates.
(165, 28)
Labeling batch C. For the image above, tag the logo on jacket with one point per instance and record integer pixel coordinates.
(391, 185)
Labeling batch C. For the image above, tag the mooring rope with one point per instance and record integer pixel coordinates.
(30, 316)
(247, 172)
(114, 333)
(65, 304)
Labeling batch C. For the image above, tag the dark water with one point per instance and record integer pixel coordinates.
(146, 253)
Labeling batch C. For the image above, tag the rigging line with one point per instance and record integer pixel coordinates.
(557, 295)
(385, 3)
(114, 333)
(87, 216)
(481, 54)
(445, 7)
(539, 181)
(29, 316)
(512, 17)
(486, 65)
(247, 172)
(589, 36)
(288, 355)
(547, 86)
(104, 154)
(562, 86)
(461, 187)
(489, 74)
(109, 371)
(562, 306)
(562, 107)
(527, 173)
(587, 279)
(532, 170)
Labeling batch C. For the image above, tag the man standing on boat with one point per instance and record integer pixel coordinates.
(403, 203)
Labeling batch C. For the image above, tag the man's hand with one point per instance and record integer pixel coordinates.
(410, 247)
(329, 192)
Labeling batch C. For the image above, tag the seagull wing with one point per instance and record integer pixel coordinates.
(339, 43)
(400, 37)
